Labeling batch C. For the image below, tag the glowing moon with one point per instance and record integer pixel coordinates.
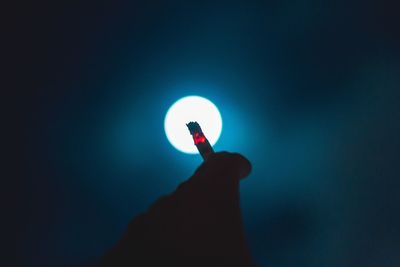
(192, 108)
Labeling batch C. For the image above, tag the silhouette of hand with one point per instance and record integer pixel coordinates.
(197, 225)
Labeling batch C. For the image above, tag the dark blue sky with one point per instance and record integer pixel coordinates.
(308, 91)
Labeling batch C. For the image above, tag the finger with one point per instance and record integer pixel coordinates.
(225, 164)
(233, 164)
(215, 182)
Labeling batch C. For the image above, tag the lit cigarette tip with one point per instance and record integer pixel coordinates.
(200, 140)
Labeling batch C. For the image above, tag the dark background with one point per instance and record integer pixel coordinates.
(308, 91)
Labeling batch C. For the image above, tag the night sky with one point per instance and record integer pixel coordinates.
(307, 90)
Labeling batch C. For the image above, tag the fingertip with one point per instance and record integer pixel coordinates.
(244, 166)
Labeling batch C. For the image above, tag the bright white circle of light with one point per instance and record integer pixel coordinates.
(187, 109)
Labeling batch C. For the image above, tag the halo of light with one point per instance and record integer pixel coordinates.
(192, 108)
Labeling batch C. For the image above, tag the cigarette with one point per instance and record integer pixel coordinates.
(200, 140)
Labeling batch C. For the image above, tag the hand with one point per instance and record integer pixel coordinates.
(197, 225)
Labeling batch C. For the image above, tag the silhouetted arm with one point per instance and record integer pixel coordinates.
(199, 224)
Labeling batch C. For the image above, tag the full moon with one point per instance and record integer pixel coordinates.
(187, 109)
